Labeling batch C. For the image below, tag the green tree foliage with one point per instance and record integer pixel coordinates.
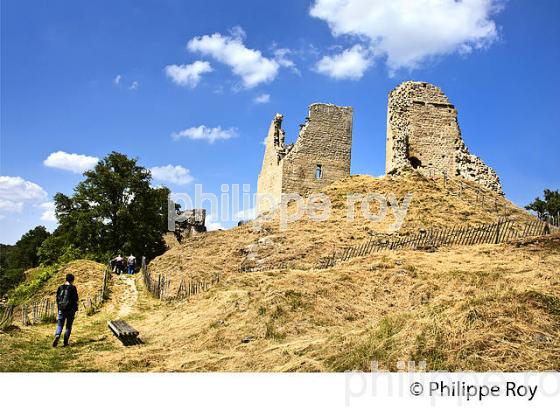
(26, 247)
(15, 259)
(550, 206)
(114, 209)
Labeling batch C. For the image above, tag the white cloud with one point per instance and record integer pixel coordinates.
(350, 64)
(249, 64)
(117, 79)
(134, 86)
(16, 192)
(280, 55)
(408, 32)
(212, 224)
(262, 99)
(48, 212)
(188, 75)
(246, 214)
(173, 174)
(202, 132)
(76, 163)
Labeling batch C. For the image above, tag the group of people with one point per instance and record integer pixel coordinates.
(118, 263)
(67, 298)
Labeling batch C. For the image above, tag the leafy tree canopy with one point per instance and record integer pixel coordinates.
(114, 209)
(549, 206)
(15, 259)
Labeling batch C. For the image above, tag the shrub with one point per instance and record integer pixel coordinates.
(27, 289)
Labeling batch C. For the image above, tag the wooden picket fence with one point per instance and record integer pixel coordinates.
(43, 311)
(483, 198)
(92, 305)
(499, 232)
(46, 310)
(160, 287)
(7, 316)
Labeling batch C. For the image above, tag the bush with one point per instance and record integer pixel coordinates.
(27, 289)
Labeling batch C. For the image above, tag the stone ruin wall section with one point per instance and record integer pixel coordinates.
(270, 177)
(325, 140)
(423, 132)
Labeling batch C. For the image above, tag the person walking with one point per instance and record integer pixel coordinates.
(67, 302)
(131, 264)
(119, 263)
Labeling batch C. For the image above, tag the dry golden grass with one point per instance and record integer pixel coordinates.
(488, 307)
(485, 307)
(305, 242)
(89, 279)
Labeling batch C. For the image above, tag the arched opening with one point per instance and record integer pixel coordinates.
(415, 162)
(318, 171)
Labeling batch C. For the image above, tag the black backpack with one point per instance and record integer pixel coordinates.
(63, 299)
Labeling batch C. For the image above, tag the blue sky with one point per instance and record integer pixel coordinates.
(87, 78)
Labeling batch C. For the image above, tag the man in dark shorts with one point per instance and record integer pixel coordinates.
(67, 301)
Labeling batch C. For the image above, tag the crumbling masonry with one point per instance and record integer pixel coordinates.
(423, 132)
(320, 155)
(189, 223)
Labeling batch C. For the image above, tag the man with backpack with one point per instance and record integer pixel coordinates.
(67, 301)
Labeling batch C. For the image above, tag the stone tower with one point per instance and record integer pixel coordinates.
(423, 132)
(320, 155)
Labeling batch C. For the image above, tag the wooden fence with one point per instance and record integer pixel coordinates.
(160, 288)
(46, 310)
(483, 198)
(499, 232)
(7, 316)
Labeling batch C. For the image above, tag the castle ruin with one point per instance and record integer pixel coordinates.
(320, 155)
(189, 222)
(423, 132)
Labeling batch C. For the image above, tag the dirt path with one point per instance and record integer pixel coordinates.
(125, 295)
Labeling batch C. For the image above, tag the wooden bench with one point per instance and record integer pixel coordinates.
(124, 332)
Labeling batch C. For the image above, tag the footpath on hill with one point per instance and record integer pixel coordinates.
(28, 348)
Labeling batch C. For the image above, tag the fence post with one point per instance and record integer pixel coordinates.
(498, 231)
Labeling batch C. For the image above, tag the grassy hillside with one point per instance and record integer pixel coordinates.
(42, 282)
(485, 307)
(433, 205)
(88, 274)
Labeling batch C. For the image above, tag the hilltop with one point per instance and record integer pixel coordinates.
(435, 203)
(484, 308)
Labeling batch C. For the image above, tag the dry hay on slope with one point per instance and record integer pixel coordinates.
(89, 279)
(485, 307)
(434, 204)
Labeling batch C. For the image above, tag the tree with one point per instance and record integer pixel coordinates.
(25, 253)
(114, 209)
(15, 259)
(548, 207)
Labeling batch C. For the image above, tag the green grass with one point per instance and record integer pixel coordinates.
(30, 349)
(33, 354)
(26, 290)
(272, 332)
(376, 344)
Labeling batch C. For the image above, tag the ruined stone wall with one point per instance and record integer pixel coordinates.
(190, 222)
(423, 132)
(324, 141)
(270, 177)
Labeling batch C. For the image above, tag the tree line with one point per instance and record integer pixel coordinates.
(113, 209)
